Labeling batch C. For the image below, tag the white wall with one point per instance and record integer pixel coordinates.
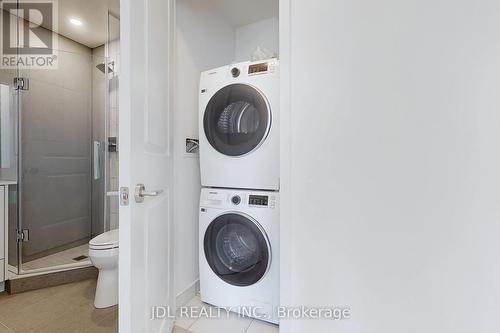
(264, 33)
(391, 178)
(204, 41)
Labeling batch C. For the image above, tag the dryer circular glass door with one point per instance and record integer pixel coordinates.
(237, 119)
(237, 249)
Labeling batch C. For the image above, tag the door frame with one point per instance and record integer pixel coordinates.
(286, 260)
(287, 281)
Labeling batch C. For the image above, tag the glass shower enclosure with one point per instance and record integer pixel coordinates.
(55, 120)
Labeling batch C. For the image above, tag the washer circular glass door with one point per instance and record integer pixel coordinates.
(237, 119)
(237, 249)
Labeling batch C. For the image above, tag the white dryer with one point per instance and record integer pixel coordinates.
(239, 251)
(239, 117)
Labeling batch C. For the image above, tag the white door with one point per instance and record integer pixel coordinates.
(146, 276)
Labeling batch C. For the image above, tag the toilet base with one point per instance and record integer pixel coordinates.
(106, 261)
(106, 293)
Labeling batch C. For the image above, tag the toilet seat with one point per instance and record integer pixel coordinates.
(105, 241)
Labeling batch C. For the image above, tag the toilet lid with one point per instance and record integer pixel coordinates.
(108, 239)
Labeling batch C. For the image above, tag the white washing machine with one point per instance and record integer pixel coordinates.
(239, 117)
(239, 251)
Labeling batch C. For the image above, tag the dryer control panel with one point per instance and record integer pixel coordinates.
(262, 67)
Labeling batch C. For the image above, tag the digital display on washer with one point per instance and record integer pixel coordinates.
(257, 68)
(258, 200)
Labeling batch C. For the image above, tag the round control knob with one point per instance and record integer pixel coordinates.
(236, 200)
(235, 72)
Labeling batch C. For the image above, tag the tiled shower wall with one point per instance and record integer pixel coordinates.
(111, 164)
(98, 134)
(114, 57)
(112, 51)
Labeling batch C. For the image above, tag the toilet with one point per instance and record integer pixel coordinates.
(103, 252)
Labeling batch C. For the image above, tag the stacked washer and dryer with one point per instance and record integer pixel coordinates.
(239, 202)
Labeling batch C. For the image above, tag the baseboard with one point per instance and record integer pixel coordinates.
(185, 296)
(50, 279)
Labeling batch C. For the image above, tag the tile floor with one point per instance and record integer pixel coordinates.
(231, 323)
(59, 258)
(67, 308)
(70, 308)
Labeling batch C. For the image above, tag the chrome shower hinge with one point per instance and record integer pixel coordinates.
(23, 235)
(21, 83)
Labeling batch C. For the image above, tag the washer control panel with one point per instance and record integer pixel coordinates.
(222, 199)
(258, 200)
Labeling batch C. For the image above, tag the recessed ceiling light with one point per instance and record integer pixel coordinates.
(75, 21)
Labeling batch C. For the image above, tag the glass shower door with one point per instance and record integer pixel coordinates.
(58, 138)
(9, 122)
(8, 156)
(56, 164)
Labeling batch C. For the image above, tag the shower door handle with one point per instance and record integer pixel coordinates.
(141, 193)
(97, 160)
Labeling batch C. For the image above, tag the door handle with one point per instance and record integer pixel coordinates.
(141, 193)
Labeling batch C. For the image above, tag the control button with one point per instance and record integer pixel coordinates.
(235, 72)
(236, 200)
